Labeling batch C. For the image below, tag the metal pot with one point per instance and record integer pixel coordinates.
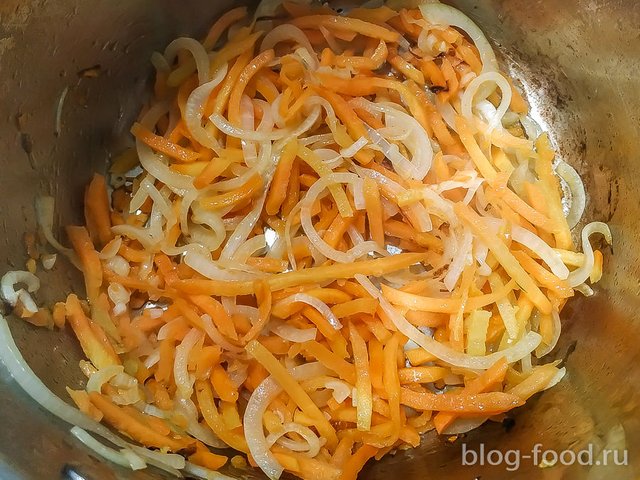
(578, 61)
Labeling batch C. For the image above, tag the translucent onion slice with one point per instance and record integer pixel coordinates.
(578, 193)
(310, 445)
(527, 344)
(471, 95)
(441, 14)
(11, 279)
(581, 274)
(102, 376)
(537, 245)
(293, 334)
(130, 460)
(196, 49)
(194, 110)
(183, 380)
(314, 302)
(353, 253)
(260, 399)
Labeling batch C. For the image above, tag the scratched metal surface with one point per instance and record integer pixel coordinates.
(579, 63)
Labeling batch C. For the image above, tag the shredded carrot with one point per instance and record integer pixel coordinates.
(96, 211)
(214, 287)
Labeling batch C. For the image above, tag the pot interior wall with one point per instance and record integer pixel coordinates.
(579, 64)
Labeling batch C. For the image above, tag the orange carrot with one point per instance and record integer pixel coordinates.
(96, 211)
(163, 145)
(91, 266)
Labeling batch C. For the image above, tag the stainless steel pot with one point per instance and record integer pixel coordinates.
(579, 62)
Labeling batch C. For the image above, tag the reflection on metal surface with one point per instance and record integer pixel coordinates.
(579, 61)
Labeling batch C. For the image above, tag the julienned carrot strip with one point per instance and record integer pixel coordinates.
(466, 137)
(355, 306)
(364, 406)
(543, 276)
(519, 205)
(294, 390)
(92, 346)
(91, 266)
(374, 211)
(264, 301)
(357, 461)
(247, 74)
(278, 190)
(218, 314)
(373, 62)
(346, 23)
(163, 145)
(211, 171)
(494, 375)
(443, 305)
(222, 97)
(233, 197)
(345, 113)
(376, 362)
(329, 359)
(207, 459)
(117, 417)
(336, 230)
(504, 256)
(481, 403)
(222, 384)
(214, 420)
(550, 186)
(422, 374)
(323, 325)
(375, 267)
(97, 211)
(392, 380)
(535, 382)
(407, 69)
(223, 23)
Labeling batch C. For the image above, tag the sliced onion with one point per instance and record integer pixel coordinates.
(226, 127)
(204, 473)
(473, 89)
(293, 334)
(463, 425)
(316, 303)
(183, 380)
(260, 399)
(194, 110)
(102, 376)
(215, 335)
(111, 249)
(249, 248)
(441, 14)
(169, 462)
(461, 258)
(128, 460)
(355, 147)
(11, 279)
(33, 386)
(214, 270)
(341, 390)
(536, 245)
(45, 209)
(323, 247)
(578, 194)
(310, 446)
(196, 49)
(581, 274)
(527, 344)
(544, 349)
(416, 212)
(283, 33)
